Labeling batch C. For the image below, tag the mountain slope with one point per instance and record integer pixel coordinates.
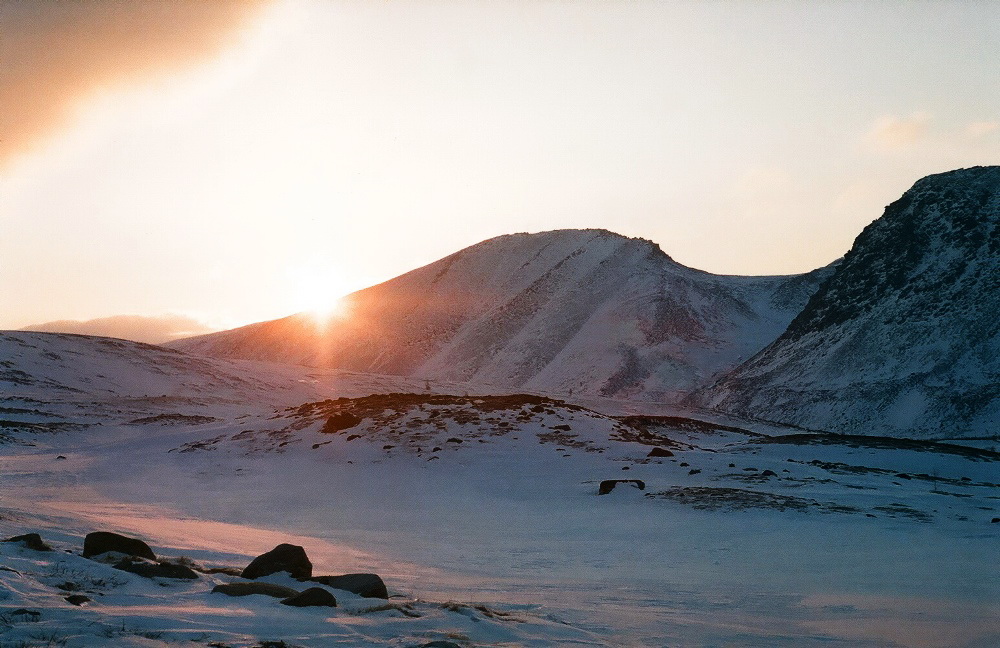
(571, 310)
(904, 338)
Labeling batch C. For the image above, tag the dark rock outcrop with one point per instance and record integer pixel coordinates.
(285, 557)
(660, 452)
(78, 599)
(157, 570)
(247, 589)
(31, 541)
(312, 597)
(608, 485)
(339, 422)
(366, 585)
(100, 542)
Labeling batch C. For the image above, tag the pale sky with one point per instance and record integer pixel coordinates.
(259, 158)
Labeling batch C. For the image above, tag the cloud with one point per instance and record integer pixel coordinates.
(54, 54)
(893, 133)
(982, 128)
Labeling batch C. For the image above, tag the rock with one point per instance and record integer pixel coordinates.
(285, 557)
(156, 570)
(769, 473)
(453, 440)
(340, 421)
(365, 585)
(246, 589)
(694, 471)
(31, 541)
(660, 452)
(440, 644)
(608, 485)
(100, 542)
(684, 464)
(995, 521)
(31, 614)
(312, 597)
(78, 599)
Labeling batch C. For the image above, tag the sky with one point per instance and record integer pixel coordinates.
(236, 161)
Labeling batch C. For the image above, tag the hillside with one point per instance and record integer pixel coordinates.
(904, 339)
(569, 311)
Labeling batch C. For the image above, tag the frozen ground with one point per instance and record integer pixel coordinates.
(851, 542)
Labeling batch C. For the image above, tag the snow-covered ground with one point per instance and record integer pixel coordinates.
(469, 500)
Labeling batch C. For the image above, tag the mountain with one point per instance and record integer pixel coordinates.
(138, 328)
(570, 311)
(904, 338)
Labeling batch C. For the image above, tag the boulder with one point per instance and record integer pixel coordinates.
(312, 597)
(246, 589)
(608, 485)
(660, 452)
(156, 570)
(340, 421)
(285, 557)
(769, 473)
(440, 644)
(365, 585)
(104, 541)
(31, 541)
(78, 599)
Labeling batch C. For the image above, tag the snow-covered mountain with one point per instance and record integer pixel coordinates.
(584, 311)
(904, 338)
(138, 328)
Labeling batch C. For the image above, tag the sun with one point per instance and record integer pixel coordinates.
(318, 292)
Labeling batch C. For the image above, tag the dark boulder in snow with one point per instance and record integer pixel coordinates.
(78, 599)
(608, 485)
(100, 542)
(312, 597)
(365, 585)
(340, 421)
(440, 644)
(31, 541)
(156, 570)
(246, 589)
(660, 452)
(285, 557)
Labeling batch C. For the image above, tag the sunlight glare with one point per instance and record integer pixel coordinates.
(318, 292)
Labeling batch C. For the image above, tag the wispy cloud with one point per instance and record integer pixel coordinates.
(894, 132)
(54, 54)
(982, 128)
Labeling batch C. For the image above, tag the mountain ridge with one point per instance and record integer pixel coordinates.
(903, 336)
(565, 310)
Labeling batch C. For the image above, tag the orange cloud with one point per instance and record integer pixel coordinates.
(982, 128)
(894, 133)
(55, 54)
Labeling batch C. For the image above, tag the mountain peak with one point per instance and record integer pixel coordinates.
(904, 337)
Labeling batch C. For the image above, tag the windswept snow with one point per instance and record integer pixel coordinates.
(497, 537)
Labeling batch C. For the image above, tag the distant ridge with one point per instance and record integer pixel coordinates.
(138, 328)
